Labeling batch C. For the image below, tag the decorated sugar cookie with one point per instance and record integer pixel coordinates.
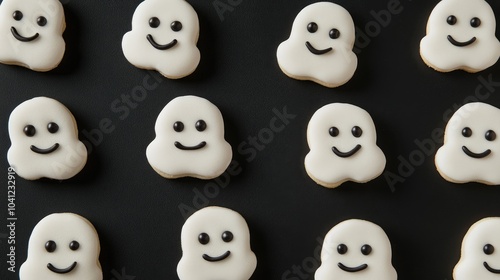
(342, 139)
(163, 38)
(31, 33)
(62, 246)
(471, 150)
(461, 35)
(44, 139)
(320, 46)
(216, 245)
(356, 250)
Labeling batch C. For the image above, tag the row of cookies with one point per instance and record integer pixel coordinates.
(460, 35)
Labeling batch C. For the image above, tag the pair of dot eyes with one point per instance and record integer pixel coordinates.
(356, 131)
(41, 20)
(200, 125)
(176, 26)
(50, 246)
(30, 130)
(312, 27)
(474, 22)
(204, 238)
(490, 135)
(365, 249)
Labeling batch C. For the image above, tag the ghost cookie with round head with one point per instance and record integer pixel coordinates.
(461, 35)
(163, 38)
(44, 139)
(216, 245)
(31, 33)
(342, 139)
(356, 250)
(62, 246)
(320, 46)
(189, 140)
(471, 150)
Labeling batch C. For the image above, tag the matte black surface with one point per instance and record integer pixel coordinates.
(136, 212)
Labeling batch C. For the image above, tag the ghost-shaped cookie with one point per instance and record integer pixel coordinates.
(461, 35)
(216, 245)
(480, 257)
(163, 38)
(356, 250)
(44, 138)
(31, 33)
(342, 139)
(62, 246)
(320, 46)
(189, 140)
(471, 150)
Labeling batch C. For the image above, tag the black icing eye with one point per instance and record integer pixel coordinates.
(467, 132)
(203, 238)
(29, 130)
(176, 26)
(50, 246)
(451, 20)
(342, 249)
(490, 135)
(227, 236)
(17, 15)
(312, 27)
(154, 22)
(334, 132)
(52, 127)
(488, 249)
(357, 131)
(366, 249)
(334, 33)
(41, 21)
(178, 126)
(475, 22)
(201, 125)
(74, 245)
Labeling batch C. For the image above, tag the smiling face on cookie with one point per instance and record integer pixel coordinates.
(163, 37)
(471, 150)
(216, 245)
(320, 46)
(342, 139)
(62, 246)
(461, 35)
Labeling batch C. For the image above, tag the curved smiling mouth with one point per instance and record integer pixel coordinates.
(22, 38)
(490, 269)
(474, 155)
(316, 51)
(61, 270)
(216, 259)
(158, 46)
(179, 145)
(352, 269)
(461, 44)
(346, 154)
(44, 151)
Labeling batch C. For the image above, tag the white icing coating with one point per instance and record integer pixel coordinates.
(439, 53)
(451, 160)
(354, 235)
(207, 162)
(331, 69)
(63, 229)
(240, 262)
(327, 168)
(474, 261)
(65, 161)
(46, 51)
(179, 60)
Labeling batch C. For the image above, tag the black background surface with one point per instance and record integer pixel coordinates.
(136, 212)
